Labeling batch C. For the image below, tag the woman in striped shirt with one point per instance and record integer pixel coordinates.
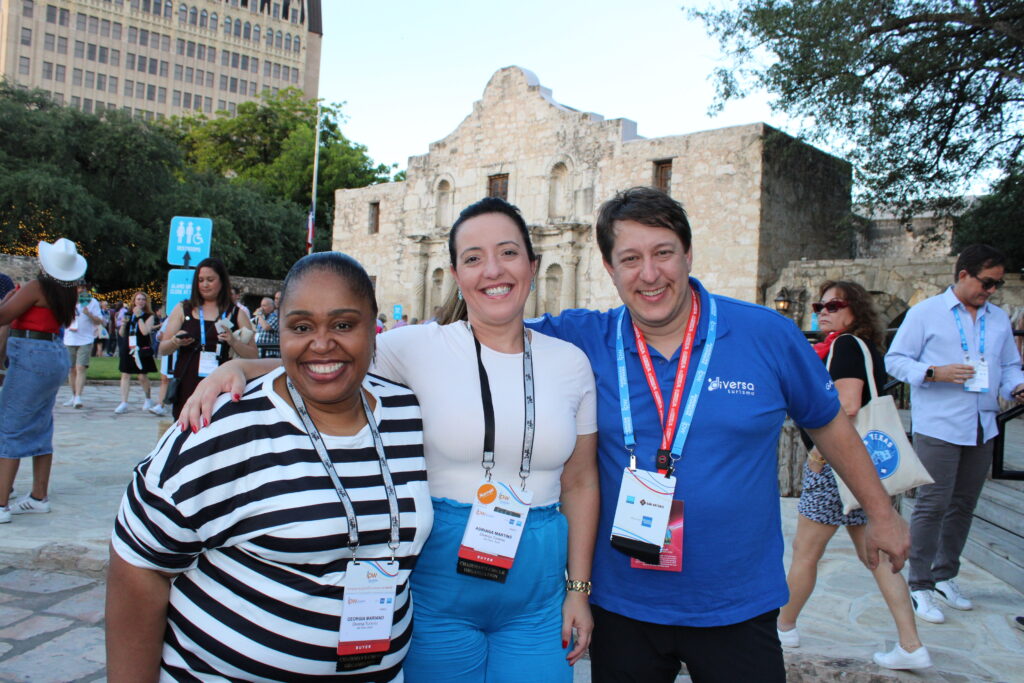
(235, 546)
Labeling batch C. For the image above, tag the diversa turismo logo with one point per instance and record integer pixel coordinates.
(731, 386)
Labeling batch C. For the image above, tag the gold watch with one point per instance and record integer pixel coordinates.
(577, 586)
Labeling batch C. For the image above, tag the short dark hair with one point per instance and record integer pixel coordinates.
(866, 322)
(342, 265)
(977, 258)
(645, 205)
(455, 308)
(224, 302)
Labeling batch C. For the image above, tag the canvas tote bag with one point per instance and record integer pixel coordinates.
(878, 423)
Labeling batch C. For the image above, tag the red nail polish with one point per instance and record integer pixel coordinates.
(206, 422)
(236, 397)
(565, 644)
(182, 426)
(195, 430)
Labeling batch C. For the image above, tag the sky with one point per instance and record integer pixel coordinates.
(410, 70)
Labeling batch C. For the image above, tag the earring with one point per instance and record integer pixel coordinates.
(458, 294)
(533, 285)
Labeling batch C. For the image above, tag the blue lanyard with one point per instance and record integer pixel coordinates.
(963, 337)
(691, 401)
(202, 329)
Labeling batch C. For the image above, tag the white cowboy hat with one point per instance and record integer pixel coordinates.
(61, 260)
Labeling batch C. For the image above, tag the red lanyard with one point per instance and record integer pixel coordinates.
(664, 459)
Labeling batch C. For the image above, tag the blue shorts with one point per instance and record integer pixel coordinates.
(472, 630)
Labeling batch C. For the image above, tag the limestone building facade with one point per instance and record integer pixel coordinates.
(756, 199)
(157, 58)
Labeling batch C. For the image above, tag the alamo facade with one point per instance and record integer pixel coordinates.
(756, 198)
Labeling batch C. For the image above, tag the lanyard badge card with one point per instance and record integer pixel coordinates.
(978, 382)
(648, 523)
(207, 359)
(367, 613)
(498, 517)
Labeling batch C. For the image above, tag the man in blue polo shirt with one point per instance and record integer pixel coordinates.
(710, 596)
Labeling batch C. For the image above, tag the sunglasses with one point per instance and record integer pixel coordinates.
(830, 306)
(989, 283)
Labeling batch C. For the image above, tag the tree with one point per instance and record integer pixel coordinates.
(997, 219)
(922, 96)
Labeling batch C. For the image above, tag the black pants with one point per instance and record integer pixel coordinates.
(625, 650)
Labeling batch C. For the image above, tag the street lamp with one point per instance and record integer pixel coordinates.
(782, 303)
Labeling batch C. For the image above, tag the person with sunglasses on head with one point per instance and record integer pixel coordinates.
(847, 315)
(956, 351)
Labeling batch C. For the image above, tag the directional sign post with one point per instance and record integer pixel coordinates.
(179, 287)
(189, 241)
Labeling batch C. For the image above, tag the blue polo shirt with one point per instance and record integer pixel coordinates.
(761, 369)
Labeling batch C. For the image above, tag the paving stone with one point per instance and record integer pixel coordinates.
(34, 626)
(4, 649)
(68, 657)
(87, 606)
(37, 581)
(11, 615)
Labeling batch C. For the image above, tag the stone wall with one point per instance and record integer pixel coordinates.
(19, 268)
(752, 208)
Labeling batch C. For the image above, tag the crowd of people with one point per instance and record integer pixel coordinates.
(521, 484)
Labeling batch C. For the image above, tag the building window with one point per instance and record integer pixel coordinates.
(80, 21)
(79, 49)
(558, 191)
(193, 16)
(64, 18)
(27, 8)
(247, 31)
(62, 46)
(129, 60)
(288, 42)
(76, 77)
(87, 105)
(101, 81)
(105, 28)
(51, 14)
(497, 186)
(48, 71)
(663, 175)
(115, 58)
(279, 40)
(295, 44)
(90, 80)
(374, 223)
(168, 9)
(60, 73)
(104, 56)
(76, 102)
(201, 52)
(112, 87)
(115, 32)
(188, 100)
(94, 25)
(444, 204)
(133, 35)
(144, 38)
(26, 36)
(176, 98)
(49, 42)
(256, 33)
(204, 19)
(182, 13)
(90, 52)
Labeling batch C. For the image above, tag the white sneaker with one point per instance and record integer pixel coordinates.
(949, 593)
(925, 607)
(70, 402)
(5, 514)
(790, 638)
(76, 402)
(122, 407)
(898, 658)
(147, 405)
(158, 409)
(27, 505)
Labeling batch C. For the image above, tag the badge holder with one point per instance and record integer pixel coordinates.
(367, 613)
(978, 383)
(642, 513)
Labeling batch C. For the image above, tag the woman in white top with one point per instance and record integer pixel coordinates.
(540, 391)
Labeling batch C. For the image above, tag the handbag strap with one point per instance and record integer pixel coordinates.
(869, 363)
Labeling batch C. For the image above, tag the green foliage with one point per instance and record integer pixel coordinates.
(920, 95)
(997, 219)
(112, 183)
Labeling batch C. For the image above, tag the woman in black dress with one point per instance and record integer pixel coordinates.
(846, 313)
(200, 330)
(135, 350)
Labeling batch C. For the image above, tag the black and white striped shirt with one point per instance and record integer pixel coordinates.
(246, 516)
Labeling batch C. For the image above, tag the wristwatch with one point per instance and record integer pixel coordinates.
(929, 374)
(577, 586)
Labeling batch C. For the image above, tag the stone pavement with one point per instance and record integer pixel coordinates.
(51, 578)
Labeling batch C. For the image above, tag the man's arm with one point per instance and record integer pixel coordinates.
(842, 447)
(902, 360)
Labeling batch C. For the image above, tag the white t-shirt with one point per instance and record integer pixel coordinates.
(438, 362)
(82, 329)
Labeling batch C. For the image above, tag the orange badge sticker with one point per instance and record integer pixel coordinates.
(486, 494)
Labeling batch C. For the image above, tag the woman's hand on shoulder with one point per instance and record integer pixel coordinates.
(576, 616)
(198, 409)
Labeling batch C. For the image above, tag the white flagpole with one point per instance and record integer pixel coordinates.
(311, 222)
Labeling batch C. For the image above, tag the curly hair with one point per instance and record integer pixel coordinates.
(866, 322)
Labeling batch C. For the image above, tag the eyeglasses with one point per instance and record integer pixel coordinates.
(989, 283)
(830, 306)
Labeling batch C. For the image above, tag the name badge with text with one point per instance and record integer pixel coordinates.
(133, 341)
(367, 613)
(496, 524)
(670, 559)
(642, 514)
(207, 362)
(979, 381)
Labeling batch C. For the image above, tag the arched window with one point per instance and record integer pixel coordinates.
(295, 44)
(279, 40)
(247, 31)
(558, 191)
(213, 22)
(270, 37)
(193, 16)
(227, 25)
(182, 13)
(444, 204)
(168, 9)
(256, 33)
(204, 19)
(288, 42)
(238, 28)
(436, 291)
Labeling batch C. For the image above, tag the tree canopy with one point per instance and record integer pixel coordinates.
(112, 183)
(922, 96)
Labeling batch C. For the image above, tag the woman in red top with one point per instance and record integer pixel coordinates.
(39, 365)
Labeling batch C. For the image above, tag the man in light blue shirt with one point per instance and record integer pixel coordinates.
(956, 351)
